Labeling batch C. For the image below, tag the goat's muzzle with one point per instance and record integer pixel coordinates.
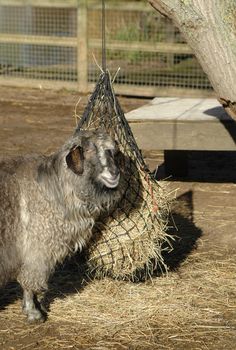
(110, 178)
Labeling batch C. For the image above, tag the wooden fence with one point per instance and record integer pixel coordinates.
(84, 45)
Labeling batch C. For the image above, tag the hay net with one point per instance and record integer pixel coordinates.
(130, 239)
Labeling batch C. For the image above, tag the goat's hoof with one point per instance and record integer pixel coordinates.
(36, 317)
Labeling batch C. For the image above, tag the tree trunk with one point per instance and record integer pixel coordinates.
(209, 27)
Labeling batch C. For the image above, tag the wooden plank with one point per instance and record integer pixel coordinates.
(95, 43)
(40, 3)
(121, 5)
(38, 40)
(93, 4)
(184, 135)
(143, 46)
(145, 91)
(38, 83)
(183, 124)
(151, 91)
(82, 49)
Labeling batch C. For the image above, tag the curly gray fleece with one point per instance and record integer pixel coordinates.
(48, 207)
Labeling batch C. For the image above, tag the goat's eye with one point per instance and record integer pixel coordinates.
(110, 152)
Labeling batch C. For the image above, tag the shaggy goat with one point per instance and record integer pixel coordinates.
(48, 209)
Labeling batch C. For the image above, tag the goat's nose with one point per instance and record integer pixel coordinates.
(114, 172)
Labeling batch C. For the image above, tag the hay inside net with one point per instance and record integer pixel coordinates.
(131, 238)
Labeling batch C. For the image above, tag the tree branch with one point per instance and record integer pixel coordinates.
(209, 29)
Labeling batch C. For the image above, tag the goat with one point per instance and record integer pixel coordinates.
(48, 207)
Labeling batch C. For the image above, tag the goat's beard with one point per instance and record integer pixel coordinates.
(108, 197)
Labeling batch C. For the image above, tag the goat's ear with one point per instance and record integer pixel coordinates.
(75, 160)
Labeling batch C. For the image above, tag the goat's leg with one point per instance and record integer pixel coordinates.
(33, 277)
(31, 307)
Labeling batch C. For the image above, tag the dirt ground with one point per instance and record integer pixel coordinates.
(193, 307)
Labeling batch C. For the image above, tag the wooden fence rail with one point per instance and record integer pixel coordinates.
(82, 44)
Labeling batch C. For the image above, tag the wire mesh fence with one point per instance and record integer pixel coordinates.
(56, 41)
(21, 52)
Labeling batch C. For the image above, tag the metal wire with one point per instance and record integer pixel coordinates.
(125, 29)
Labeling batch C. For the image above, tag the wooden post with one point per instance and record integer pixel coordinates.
(82, 49)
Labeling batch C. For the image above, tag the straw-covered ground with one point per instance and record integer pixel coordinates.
(193, 307)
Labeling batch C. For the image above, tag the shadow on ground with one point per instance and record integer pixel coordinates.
(227, 121)
(183, 230)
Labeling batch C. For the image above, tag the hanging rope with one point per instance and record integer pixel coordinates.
(130, 239)
(103, 36)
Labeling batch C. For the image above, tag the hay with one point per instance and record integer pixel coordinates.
(129, 241)
(186, 310)
(192, 309)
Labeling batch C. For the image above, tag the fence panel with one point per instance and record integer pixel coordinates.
(58, 44)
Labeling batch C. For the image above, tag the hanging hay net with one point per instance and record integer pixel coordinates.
(131, 238)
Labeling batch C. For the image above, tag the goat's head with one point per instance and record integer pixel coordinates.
(94, 155)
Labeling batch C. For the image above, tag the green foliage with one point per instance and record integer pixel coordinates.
(129, 33)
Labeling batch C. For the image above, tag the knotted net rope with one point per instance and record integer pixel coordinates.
(132, 237)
